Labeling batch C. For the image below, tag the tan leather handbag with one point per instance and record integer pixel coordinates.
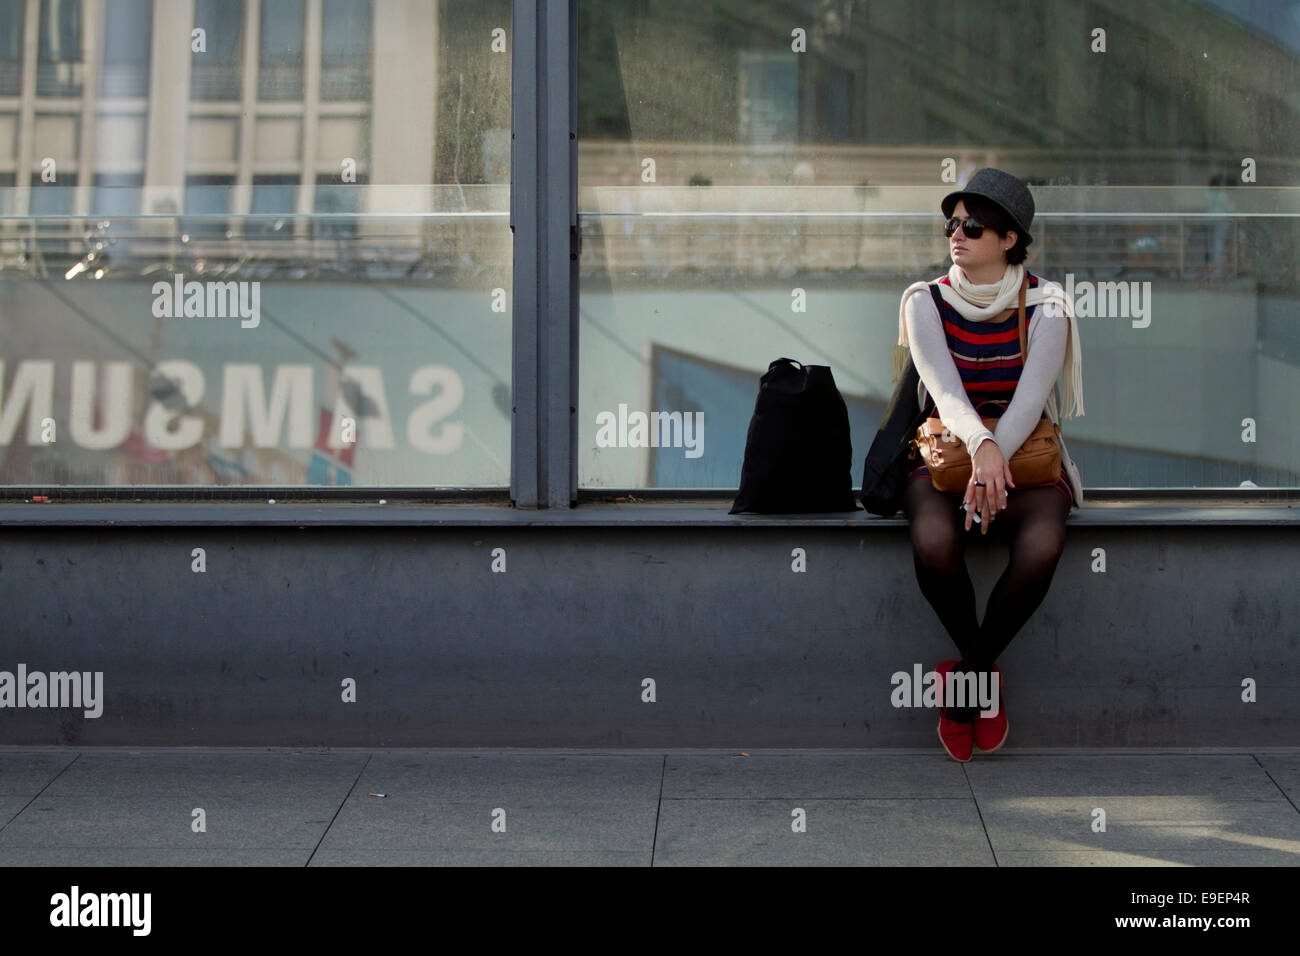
(1037, 462)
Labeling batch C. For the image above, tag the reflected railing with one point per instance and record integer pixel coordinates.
(437, 234)
(1093, 232)
(656, 231)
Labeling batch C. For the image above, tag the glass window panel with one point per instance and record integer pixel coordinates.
(117, 195)
(128, 30)
(209, 197)
(11, 46)
(331, 202)
(273, 194)
(379, 303)
(216, 73)
(60, 66)
(345, 50)
(280, 71)
(759, 179)
(52, 199)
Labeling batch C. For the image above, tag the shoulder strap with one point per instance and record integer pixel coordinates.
(920, 385)
(1020, 321)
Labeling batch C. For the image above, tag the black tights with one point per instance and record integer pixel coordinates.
(1035, 521)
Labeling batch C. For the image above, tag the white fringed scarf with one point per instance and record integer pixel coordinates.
(980, 303)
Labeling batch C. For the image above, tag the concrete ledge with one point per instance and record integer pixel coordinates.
(1175, 509)
(550, 650)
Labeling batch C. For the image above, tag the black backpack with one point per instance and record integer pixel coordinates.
(798, 455)
(884, 476)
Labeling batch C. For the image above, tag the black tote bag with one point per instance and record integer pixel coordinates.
(798, 454)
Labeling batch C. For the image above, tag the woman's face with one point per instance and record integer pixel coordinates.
(978, 255)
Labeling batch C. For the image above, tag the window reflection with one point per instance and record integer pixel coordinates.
(216, 72)
(370, 215)
(280, 69)
(60, 66)
(345, 50)
(128, 32)
(757, 180)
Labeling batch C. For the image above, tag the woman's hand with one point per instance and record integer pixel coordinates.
(989, 466)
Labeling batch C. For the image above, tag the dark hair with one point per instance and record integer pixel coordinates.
(994, 217)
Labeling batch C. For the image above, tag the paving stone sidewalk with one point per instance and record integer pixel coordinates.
(282, 807)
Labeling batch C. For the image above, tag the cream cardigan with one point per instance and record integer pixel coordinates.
(1049, 341)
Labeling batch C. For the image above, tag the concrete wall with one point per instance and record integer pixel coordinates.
(744, 652)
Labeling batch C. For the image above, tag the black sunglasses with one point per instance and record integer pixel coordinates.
(971, 227)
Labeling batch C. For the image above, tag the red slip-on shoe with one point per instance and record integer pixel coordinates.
(991, 732)
(957, 737)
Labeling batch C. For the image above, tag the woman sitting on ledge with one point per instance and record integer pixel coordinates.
(967, 353)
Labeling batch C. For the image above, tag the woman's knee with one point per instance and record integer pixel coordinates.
(1039, 541)
(935, 530)
(936, 545)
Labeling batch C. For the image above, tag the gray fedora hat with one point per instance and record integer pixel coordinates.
(1005, 190)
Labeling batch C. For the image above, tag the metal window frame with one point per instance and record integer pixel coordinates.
(543, 219)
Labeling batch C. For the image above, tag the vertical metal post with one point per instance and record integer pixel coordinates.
(543, 218)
